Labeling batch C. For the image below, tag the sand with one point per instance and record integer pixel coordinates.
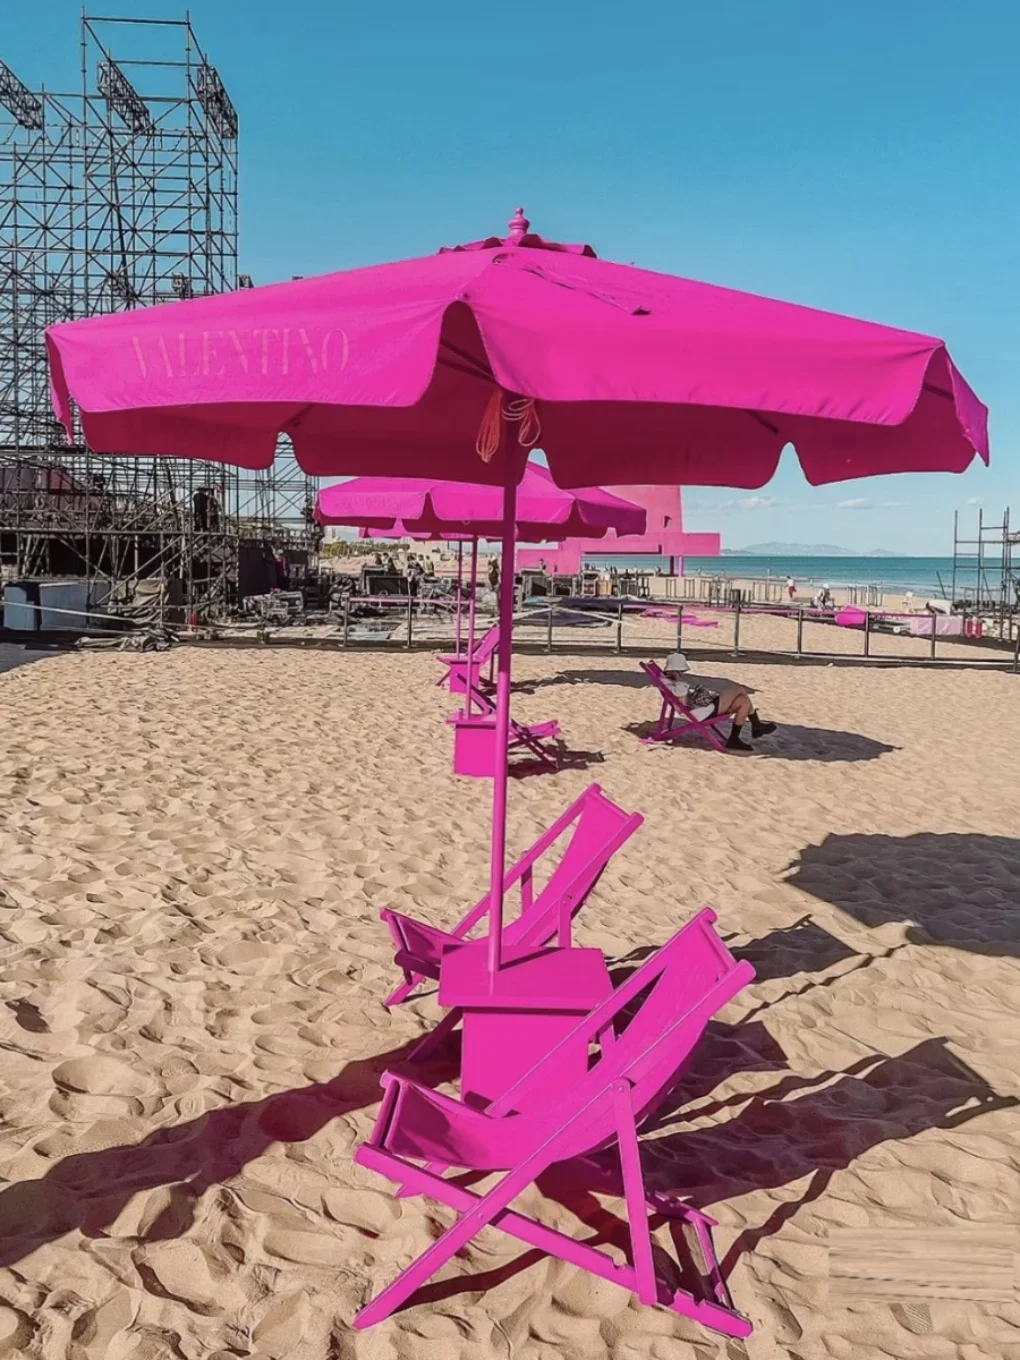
(194, 852)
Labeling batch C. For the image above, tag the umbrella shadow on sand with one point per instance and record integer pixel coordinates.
(957, 890)
(789, 742)
(13, 655)
(89, 1190)
(630, 679)
(635, 679)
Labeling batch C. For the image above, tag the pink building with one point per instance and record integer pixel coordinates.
(663, 537)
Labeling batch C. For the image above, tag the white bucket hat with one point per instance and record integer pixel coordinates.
(676, 661)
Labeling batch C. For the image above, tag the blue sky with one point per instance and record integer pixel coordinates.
(856, 157)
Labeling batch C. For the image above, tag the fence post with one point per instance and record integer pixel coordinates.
(934, 620)
(867, 632)
(800, 631)
(679, 627)
(619, 625)
(347, 617)
(736, 627)
(410, 617)
(549, 627)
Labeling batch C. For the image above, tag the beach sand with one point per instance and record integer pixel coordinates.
(195, 849)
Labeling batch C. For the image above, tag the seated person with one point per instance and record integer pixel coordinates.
(706, 703)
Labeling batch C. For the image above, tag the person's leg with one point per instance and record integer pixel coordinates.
(738, 696)
(759, 727)
(737, 704)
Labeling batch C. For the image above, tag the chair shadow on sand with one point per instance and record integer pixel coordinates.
(957, 889)
(789, 742)
(785, 952)
(563, 758)
(89, 1190)
(771, 1142)
(802, 947)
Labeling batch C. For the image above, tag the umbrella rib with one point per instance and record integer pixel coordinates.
(755, 415)
(468, 364)
(937, 391)
(295, 420)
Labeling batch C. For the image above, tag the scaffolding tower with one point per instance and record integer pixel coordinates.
(122, 195)
(986, 573)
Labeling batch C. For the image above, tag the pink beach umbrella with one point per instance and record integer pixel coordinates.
(427, 506)
(455, 364)
(431, 508)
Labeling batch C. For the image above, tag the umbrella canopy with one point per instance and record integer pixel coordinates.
(618, 373)
(423, 506)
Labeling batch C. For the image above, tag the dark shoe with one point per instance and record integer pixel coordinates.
(734, 743)
(762, 729)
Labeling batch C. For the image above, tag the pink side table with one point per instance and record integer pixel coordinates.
(474, 745)
(512, 1023)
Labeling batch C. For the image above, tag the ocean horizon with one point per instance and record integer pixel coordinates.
(931, 576)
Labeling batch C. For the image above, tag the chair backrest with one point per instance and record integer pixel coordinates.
(679, 989)
(687, 981)
(600, 828)
(658, 679)
(486, 644)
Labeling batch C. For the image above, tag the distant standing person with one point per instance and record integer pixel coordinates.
(494, 573)
(791, 587)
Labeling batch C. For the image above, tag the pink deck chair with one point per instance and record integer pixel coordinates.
(458, 668)
(420, 1133)
(597, 829)
(523, 736)
(676, 719)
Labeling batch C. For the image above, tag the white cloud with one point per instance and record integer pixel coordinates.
(974, 500)
(860, 503)
(758, 503)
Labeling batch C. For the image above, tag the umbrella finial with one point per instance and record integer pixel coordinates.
(518, 227)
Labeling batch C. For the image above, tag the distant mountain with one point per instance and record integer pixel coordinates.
(802, 550)
(789, 550)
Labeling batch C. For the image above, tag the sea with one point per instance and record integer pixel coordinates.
(929, 576)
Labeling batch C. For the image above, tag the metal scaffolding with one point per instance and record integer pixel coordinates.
(986, 573)
(123, 195)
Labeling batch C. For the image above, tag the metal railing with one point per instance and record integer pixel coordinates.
(625, 625)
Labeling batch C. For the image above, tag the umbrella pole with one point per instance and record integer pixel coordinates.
(471, 627)
(460, 581)
(502, 733)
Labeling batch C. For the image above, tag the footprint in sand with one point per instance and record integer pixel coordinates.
(100, 1076)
